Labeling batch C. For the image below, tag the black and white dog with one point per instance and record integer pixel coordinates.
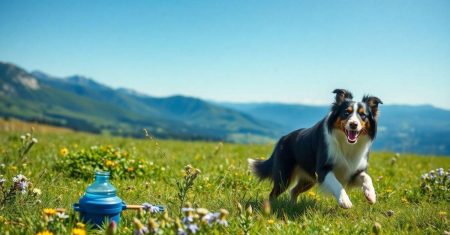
(334, 152)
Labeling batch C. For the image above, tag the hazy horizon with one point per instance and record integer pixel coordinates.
(292, 52)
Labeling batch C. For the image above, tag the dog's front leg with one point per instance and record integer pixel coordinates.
(331, 185)
(364, 180)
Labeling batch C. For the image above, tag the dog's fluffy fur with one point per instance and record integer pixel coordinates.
(333, 153)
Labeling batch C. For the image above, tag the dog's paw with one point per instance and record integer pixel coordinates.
(370, 195)
(344, 201)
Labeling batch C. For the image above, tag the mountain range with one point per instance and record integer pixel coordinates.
(83, 104)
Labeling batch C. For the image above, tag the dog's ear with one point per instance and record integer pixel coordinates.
(372, 102)
(341, 95)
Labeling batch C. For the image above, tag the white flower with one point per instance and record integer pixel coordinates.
(62, 215)
(19, 178)
(223, 222)
(186, 209)
(34, 140)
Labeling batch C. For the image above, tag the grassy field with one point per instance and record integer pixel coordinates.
(224, 182)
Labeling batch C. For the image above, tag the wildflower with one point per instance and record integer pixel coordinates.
(311, 194)
(112, 227)
(139, 228)
(440, 171)
(271, 221)
(193, 228)
(28, 135)
(19, 178)
(222, 217)
(62, 215)
(149, 207)
(63, 151)
(152, 225)
(179, 228)
(389, 190)
(424, 176)
(78, 231)
(109, 163)
(202, 211)
(22, 186)
(45, 232)
(37, 191)
(404, 200)
(22, 137)
(34, 141)
(442, 214)
(2, 180)
(130, 169)
(49, 211)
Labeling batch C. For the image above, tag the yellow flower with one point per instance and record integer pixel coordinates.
(404, 200)
(78, 231)
(130, 169)
(311, 194)
(271, 221)
(63, 151)
(44, 233)
(13, 168)
(49, 211)
(389, 190)
(442, 214)
(109, 163)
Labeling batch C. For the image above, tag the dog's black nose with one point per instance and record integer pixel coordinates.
(353, 125)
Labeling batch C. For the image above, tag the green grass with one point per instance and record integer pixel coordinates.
(224, 181)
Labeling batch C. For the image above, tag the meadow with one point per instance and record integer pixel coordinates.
(408, 202)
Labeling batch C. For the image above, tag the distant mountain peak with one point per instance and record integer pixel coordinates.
(13, 76)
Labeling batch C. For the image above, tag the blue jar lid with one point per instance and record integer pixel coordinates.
(101, 205)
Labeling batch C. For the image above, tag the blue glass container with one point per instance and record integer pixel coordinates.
(100, 202)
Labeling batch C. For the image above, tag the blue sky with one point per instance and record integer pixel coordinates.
(241, 51)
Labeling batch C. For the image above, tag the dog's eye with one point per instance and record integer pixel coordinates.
(363, 116)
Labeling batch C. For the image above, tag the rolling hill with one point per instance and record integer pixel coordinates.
(83, 104)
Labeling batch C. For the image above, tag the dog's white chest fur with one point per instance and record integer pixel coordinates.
(346, 158)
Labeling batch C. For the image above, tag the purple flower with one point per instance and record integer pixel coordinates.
(188, 220)
(193, 228)
(181, 232)
(22, 186)
(151, 208)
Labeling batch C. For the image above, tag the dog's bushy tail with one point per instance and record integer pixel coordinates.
(261, 168)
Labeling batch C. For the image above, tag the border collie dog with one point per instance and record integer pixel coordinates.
(333, 153)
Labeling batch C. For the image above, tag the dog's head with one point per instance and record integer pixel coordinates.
(354, 119)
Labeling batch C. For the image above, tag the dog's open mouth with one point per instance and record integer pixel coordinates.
(352, 136)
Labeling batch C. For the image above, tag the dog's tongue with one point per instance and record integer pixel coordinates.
(352, 135)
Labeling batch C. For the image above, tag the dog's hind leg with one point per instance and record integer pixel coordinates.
(281, 180)
(302, 186)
